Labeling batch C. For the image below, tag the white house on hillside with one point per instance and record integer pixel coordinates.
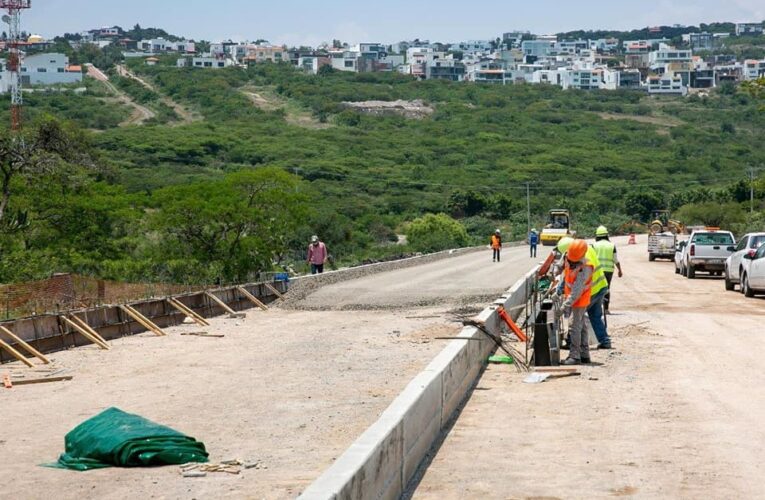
(42, 69)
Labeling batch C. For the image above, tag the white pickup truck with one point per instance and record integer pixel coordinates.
(707, 251)
(661, 246)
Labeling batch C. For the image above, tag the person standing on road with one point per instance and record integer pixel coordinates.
(533, 242)
(317, 255)
(606, 251)
(598, 293)
(577, 287)
(496, 245)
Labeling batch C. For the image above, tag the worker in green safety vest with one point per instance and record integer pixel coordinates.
(606, 251)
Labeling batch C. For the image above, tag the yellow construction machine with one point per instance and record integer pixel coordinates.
(558, 226)
(662, 223)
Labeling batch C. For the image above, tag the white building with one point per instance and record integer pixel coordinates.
(537, 48)
(42, 69)
(666, 84)
(748, 29)
(753, 69)
(206, 62)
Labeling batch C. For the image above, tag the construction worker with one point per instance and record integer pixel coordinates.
(598, 295)
(577, 287)
(317, 255)
(496, 245)
(606, 251)
(533, 242)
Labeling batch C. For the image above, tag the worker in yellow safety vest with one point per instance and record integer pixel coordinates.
(599, 292)
(606, 251)
(577, 286)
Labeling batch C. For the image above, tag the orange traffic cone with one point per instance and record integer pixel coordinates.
(632, 239)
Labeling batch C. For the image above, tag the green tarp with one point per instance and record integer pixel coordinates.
(114, 438)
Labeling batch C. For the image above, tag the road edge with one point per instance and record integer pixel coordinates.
(382, 461)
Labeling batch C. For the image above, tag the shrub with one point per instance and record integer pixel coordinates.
(433, 233)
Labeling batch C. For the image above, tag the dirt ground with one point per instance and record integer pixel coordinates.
(291, 389)
(673, 412)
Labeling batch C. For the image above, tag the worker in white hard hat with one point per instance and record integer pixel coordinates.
(496, 245)
(533, 242)
(606, 251)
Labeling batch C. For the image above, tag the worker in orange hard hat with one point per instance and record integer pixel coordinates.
(577, 281)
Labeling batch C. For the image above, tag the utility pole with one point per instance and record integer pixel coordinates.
(528, 207)
(751, 190)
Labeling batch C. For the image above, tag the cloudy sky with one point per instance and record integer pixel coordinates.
(305, 22)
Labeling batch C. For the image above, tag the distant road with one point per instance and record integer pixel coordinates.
(466, 280)
(140, 113)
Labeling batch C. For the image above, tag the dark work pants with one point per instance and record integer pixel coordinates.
(607, 300)
(497, 252)
(317, 268)
(533, 250)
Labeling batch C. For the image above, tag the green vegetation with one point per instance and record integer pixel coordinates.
(161, 203)
(435, 232)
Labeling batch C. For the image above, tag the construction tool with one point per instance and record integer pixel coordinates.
(520, 364)
(511, 324)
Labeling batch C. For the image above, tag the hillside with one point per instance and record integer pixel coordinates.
(609, 156)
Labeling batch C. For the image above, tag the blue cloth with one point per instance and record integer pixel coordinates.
(533, 238)
(595, 312)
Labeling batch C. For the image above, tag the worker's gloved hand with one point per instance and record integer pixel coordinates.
(566, 307)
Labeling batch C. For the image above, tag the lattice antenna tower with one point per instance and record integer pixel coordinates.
(13, 20)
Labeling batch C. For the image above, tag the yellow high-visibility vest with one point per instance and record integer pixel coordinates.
(599, 281)
(605, 250)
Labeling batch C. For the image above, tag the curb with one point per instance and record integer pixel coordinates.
(382, 461)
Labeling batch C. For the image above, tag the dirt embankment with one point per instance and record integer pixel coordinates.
(416, 109)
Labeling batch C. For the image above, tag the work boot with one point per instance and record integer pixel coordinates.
(586, 361)
(604, 347)
(570, 362)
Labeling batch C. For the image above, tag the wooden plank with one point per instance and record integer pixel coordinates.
(31, 350)
(41, 380)
(183, 308)
(273, 289)
(85, 333)
(142, 320)
(555, 369)
(220, 303)
(154, 327)
(252, 298)
(16, 354)
(89, 328)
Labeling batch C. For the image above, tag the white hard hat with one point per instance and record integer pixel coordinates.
(314, 238)
(497, 231)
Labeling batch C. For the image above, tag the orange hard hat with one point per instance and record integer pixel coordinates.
(577, 250)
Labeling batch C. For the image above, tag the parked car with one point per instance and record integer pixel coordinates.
(679, 256)
(735, 264)
(707, 251)
(753, 277)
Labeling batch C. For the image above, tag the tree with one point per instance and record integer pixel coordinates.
(29, 158)
(234, 227)
(433, 233)
(641, 203)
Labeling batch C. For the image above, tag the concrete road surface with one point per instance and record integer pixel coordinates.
(290, 389)
(470, 280)
(675, 411)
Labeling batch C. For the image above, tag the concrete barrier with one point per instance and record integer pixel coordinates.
(382, 461)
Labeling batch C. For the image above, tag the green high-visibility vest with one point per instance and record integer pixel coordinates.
(599, 281)
(606, 251)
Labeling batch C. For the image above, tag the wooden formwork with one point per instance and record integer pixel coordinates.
(50, 333)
